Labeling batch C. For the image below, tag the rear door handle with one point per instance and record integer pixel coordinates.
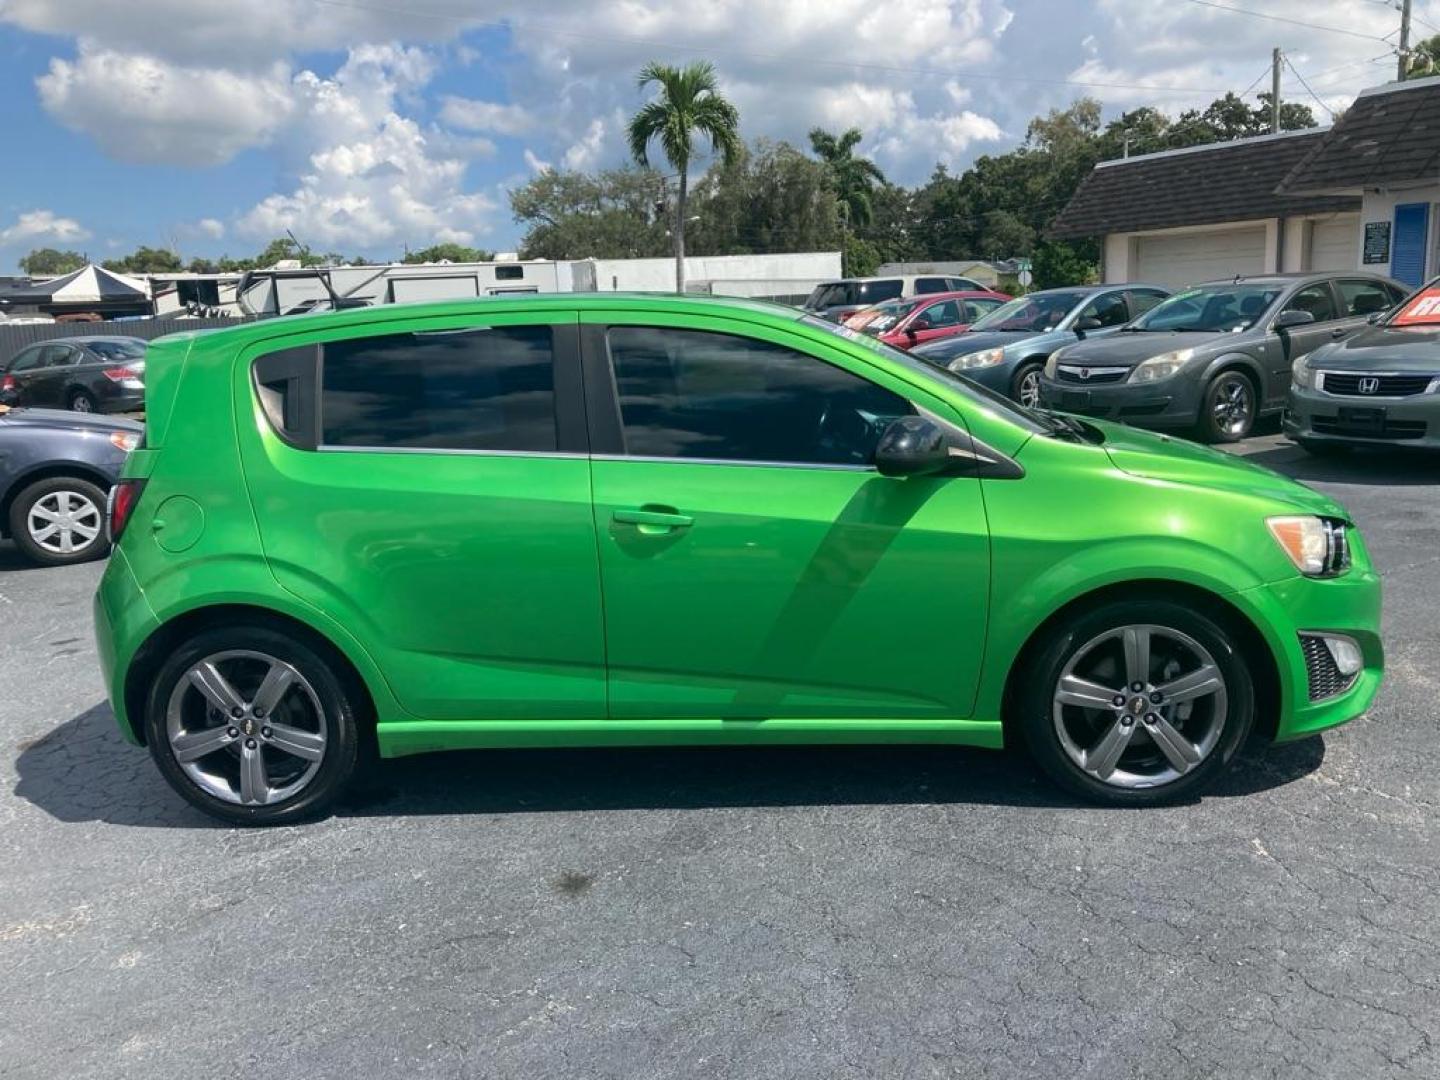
(653, 519)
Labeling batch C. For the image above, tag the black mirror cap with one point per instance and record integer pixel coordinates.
(1088, 324)
(912, 446)
(1293, 317)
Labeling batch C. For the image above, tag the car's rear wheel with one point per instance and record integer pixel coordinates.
(1025, 385)
(83, 401)
(1228, 408)
(60, 520)
(253, 726)
(1137, 703)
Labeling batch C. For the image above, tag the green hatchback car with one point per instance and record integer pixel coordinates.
(602, 520)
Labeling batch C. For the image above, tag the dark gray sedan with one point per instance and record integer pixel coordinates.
(1216, 356)
(1007, 348)
(86, 374)
(1379, 387)
(56, 469)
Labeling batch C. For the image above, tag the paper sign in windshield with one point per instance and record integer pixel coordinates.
(1424, 308)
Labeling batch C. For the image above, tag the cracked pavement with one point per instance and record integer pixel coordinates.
(838, 912)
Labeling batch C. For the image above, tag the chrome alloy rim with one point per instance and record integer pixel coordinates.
(64, 522)
(81, 404)
(246, 727)
(1030, 389)
(1140, 706)
(1233, 406)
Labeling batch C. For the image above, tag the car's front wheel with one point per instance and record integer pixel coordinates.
(1137, 703)
(253, 726)
(1025, 385)
(1228, 408)
(59, 521)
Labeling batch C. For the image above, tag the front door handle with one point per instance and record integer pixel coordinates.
(653, 519)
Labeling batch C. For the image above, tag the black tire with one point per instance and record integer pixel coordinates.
(1227, 387)
(82, 401)
(1029, 370)
(1324, 449)
(1036, 706)
(338, 701)
(59, 486)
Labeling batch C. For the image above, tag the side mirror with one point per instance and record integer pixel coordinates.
(1090, 323)
(1374, 317)
(1292, 317)
(912, 446)
(918, 325)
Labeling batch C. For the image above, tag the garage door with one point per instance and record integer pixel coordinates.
(1335, 243)
(1192, 257)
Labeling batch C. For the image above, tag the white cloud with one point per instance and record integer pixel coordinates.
(534, 163)
(472, 115)
(585, 152)
(139, 108)
(210, 227)
(43, 225)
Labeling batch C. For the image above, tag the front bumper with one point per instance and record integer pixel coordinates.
(1318, 417)
(1173, 402)
(1287, 611)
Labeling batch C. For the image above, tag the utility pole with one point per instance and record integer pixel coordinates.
(1404, 39)
(1275, 61)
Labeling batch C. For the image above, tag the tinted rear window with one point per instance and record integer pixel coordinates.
(483, 389)
(855, 293)
(118, 350)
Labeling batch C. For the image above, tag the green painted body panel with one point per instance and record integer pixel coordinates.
(496, 600)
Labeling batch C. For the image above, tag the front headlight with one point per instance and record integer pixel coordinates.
(1317, 546)
(1052, 363)
(1163, 366)
(1300, 373)
(983, 358)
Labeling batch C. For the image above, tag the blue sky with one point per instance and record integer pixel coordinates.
(369, 125)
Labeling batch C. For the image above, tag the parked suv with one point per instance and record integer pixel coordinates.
(1216, 356)
(800, 534)
(86, 374)
(1378, 387)
(838, 300)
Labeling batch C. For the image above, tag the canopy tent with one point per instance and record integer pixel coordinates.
(91, 289)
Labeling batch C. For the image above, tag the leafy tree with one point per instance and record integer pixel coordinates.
(47, 262)
(1424, 58)
(145, 260)
(854, 179)
(445, 253)
(768, 198)
(689, 104)
(616, 214)
(1054, 264)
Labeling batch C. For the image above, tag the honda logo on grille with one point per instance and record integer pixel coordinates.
(1084, 373)
(1368, 385)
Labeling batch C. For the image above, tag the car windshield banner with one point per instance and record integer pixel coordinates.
(1423, 308)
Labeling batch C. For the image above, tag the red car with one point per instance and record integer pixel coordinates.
(907, 323)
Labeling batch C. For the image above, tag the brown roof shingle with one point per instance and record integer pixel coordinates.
(1202, 185)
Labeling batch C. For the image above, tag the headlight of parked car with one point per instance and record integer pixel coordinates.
(1052, 363)
(1300, 373)
(983, 358)
(1317, 546)
(1162, 367)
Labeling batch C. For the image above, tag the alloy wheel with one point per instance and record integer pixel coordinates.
(82, 404)
(64, 522)
(1139, 706)
(246, 727)
(1234, 406)
(1030, 389)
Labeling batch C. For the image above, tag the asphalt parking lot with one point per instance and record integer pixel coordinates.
(893, 913)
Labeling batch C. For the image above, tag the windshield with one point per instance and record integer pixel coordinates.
(1422, 309)
(118, 350)
(854, 293)
(881, 317)
(1015, 413)
(1036, 313)
(1211, 309)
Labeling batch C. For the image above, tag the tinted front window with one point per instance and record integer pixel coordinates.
(1034, 313)
(855, 293)
(1211, 309)
(931, 285)
(483, 389)
(975, 310)
(692, 394)
(1314, 300)
(945, 313)
(1107, 310)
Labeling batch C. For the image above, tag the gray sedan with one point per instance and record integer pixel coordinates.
(1379, 387)
(1214, 357)
(1007, 348)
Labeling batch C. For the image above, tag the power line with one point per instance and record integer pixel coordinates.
(558, 30)
(1283, 19)
(1305, 84)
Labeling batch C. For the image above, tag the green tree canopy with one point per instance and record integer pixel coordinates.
(146, 260)
(1424, 59)
(445, 253)
(48, 262)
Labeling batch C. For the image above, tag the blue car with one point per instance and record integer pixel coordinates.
(1007, 349)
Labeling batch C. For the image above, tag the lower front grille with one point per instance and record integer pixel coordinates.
(1326, 679)
(1379, 428)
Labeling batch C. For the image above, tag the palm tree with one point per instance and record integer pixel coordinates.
(854, 178)
(690, 103)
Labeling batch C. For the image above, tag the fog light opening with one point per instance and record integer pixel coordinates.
(1346, 654)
